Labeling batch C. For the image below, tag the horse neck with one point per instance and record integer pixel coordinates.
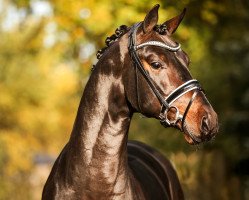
(100, 134)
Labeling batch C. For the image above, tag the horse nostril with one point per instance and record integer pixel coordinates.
(205, 125)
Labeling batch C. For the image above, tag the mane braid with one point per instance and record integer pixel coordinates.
(119, 32)
(161, 29)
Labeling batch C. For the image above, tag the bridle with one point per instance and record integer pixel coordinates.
(175, 94)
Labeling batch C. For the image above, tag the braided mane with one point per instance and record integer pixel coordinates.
(120, 31)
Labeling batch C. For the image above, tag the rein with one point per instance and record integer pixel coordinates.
(174, 95)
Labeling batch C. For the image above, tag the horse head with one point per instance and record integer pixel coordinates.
(158, 82)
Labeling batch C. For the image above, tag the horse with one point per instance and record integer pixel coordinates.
(142, 70)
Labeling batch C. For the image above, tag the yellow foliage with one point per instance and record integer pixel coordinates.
(195, 42)
(186, 166)
(209, 16)
(64, 80)
(101, 18)
(18, 152)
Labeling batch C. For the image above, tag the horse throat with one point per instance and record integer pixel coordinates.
(99, 138)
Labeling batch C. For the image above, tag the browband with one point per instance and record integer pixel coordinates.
(159, 44)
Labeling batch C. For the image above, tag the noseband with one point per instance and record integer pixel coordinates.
(175, 94)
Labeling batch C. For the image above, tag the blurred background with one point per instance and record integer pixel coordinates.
(47, 49)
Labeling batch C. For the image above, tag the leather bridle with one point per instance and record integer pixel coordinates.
(191, 85)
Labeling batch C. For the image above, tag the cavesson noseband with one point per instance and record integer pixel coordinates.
(175, 94)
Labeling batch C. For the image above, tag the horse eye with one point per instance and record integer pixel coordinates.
(156, 65)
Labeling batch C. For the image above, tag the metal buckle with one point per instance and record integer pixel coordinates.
(164, 117)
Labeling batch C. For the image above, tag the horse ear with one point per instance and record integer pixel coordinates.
(151, 19)
(173, 23)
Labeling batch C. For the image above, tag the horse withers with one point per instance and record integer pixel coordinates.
(141, 70)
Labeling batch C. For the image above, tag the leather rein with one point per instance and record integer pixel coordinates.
(166, 102)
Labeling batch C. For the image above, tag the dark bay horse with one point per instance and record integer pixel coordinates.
(142, 70)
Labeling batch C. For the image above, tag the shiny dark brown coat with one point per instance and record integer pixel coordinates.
(97, 163)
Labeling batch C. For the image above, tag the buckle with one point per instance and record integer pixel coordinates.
(164, 117)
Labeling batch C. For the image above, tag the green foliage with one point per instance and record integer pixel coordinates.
(45, 62)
